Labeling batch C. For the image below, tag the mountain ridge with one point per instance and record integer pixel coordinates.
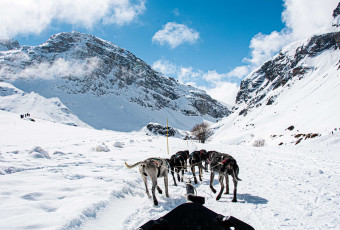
(76, 66)
(291, 97)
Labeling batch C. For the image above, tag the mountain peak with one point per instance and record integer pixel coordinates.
(66, 41)
(122, 91)
(336, 16)
(8, 44)
(336, 12)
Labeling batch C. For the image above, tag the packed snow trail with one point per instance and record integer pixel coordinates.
(75, 178)
(288, 187)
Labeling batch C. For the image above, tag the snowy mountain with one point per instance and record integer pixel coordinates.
(16, 101)
(297, 88)
(8, 44)
(104, 85)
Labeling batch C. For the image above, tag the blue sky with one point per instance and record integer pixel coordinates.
(210, 44)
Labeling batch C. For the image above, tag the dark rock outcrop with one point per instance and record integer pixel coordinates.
(158, 129)
(281, 69)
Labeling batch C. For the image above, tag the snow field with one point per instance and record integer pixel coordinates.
(82, 187)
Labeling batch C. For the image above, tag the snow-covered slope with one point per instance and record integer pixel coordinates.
(19, 102)
(298, 88)
(56, 176)
(104, 85)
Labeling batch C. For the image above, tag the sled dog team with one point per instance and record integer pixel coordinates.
(220, 163)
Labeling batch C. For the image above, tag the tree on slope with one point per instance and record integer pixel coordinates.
(202, 132)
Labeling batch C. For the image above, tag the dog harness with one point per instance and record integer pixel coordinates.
(224, 161)
(158, 167)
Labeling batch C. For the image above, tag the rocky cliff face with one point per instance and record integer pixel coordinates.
(282, 69)
(291, 97)
(291, 63)
(8, 44)
(336, 12)
(80, 64)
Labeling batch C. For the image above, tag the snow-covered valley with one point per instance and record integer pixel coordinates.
(56, 176)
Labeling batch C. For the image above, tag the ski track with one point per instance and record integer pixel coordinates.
(281, 187)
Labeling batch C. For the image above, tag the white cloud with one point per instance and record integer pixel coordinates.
(224, 91)
(239, 72)
(187, 74)
(175, 34)
(33, 16)
(301, 17)
(265, 46)
(305, 17)
(214, 83)
(59, 68)
(124, 12)
(164, 66)
(213, 76)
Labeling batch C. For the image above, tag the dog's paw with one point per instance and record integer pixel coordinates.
(234, 200)
(218, 197)
(155, 202)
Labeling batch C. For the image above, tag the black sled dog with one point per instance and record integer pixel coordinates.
(177, 164)
(224, 165)
(195, 159)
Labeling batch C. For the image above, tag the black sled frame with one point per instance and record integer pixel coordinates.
(194, 216)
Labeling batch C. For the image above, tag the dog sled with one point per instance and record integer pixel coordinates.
(193, 215)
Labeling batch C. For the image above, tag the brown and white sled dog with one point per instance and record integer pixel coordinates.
(153, 168)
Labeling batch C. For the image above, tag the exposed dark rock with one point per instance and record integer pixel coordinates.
(8, 44)
(161, 130)
(281, 69)
(298, 141)
(291, 128)
(243, 112)
(336, 12)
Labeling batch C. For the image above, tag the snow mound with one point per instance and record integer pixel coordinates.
(102, 148)
(118, 144)
(38, 152)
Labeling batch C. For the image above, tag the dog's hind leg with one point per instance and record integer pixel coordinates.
(173, 175)
(235, 190)
(178, 177)
(212, 175)
(182, 175)
(220, 179)
(154, 185)
(226, 184)
(159, 189)
(194, 174)
(200, 170)
(166, 185)
(146, 185)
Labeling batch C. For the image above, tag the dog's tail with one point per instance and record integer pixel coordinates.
(235, 172)
(134, 165)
